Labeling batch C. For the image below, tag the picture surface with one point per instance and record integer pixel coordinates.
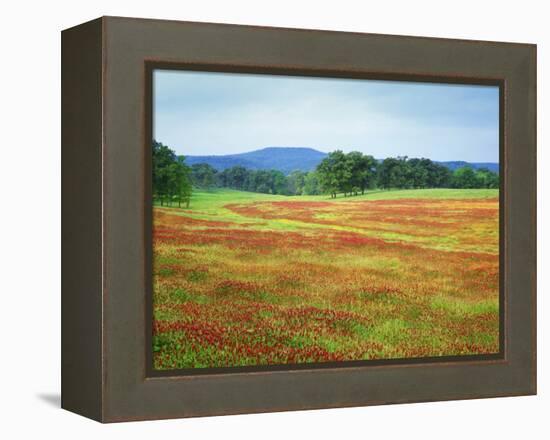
(311, 220)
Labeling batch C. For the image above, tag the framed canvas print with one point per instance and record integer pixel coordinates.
(264, 219)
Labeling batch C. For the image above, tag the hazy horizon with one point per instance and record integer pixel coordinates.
(215, 114)
(312, 148)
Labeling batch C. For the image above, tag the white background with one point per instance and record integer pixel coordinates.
(30, 219)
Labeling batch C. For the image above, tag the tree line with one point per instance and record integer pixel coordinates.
(402, 172)
(348, 174)
(238, 177)
(171, 177)
(339, 173)
(355, 172)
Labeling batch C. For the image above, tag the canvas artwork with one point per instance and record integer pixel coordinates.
(308, 220)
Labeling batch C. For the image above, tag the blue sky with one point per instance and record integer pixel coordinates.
(200, 113)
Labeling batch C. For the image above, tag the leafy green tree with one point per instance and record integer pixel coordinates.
(334, 173)
(439, 176)
(258, 181)
(184, 186)
(419, 172)
(354, 163)
(171, 176)
(464, 177)
(295, 182)
(162, 158)
(312, 187)
(389, 173)
(487, 179)
(203, 175)
(237, 176)
(222, 178)
(404, 177)
(494, 181)
(278, 182)
(362, 169)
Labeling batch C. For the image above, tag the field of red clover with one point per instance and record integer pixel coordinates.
(246, 279)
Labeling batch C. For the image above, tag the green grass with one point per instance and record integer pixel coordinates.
(215, 198)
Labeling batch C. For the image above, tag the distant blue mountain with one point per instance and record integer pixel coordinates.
(287, 159)
(284, 159)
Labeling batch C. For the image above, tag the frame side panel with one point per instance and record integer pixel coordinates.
(81, 213)
(521, 176)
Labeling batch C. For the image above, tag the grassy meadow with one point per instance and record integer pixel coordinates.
(253, 279)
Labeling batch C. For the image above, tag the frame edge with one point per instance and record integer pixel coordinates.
(81, 216)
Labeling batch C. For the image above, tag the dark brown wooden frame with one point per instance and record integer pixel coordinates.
(107, 224)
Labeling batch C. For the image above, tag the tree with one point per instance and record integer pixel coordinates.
(278, 182)
(387, 173)
(397, 173)
(334, 173)
(295, 182)
(354, 162)
(163, 157)
(185, 188)
(362, 169)
(312, 187)
(259, 181)
(403, 174)
(464, 177)
(222, 178)
(487, 179)
(419, 172)
(237, 176)
(203, 175)
(439, 176)
(171, 176)
(494, 181)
